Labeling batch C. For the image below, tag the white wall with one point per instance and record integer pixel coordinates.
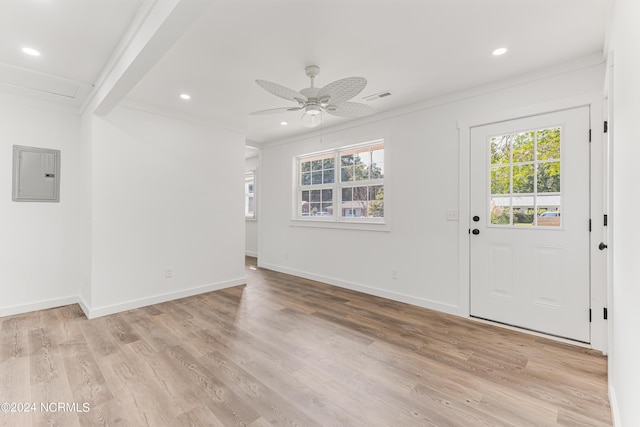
(624, 367)
(165, 193)
(422, 149)
(40, 246)
(251, 225)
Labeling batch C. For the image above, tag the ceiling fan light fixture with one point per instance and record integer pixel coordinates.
(311, 120)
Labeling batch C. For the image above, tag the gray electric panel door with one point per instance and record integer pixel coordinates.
(36, 174)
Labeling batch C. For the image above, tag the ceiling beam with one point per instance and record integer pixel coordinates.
(158, 25)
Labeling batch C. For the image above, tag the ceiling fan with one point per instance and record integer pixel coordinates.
(332, 99)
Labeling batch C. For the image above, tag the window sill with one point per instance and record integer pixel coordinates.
(343, 225)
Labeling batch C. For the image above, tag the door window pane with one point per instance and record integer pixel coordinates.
(500, 149)
(523, 211)
(500, 210)
(549, 216)
(549, 177)
(549, 144)
(500, 180)
(523, 147)
(525, 178)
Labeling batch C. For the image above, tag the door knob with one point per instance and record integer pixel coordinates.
(602, 246)
(475, 231)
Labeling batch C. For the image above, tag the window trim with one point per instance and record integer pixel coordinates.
(336, 220)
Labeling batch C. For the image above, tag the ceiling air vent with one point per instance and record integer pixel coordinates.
(377, 96)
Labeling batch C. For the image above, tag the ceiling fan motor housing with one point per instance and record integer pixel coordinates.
(313, 109)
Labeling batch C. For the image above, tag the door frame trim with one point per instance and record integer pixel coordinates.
(597, 258)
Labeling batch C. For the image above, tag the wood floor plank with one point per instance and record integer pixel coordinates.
(282, 350)
(255, 393)
(84, 375)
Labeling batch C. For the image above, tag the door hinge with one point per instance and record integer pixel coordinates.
(605, 313)
(589, 315)
(606, 126)
(606, 220)
(589, 224)
(589, 135)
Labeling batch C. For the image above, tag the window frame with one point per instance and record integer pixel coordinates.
(250, 180)
(337, 220)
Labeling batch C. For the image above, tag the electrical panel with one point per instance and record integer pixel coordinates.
(36, 174)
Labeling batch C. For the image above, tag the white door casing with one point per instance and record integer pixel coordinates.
(529, 265)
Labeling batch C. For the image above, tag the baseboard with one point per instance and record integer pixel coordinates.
(39, 305)
(92, 313)
(251, 253)
(613, 402)
(84, 306)
(395, 296)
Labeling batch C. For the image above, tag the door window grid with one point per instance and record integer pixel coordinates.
(525, 179)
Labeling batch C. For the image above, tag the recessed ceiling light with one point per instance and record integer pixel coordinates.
(30, 51)
(500, 51)
(185, 96)
(284, 123)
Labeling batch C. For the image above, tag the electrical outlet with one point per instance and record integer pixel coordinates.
(286, 255)
(168, 272)
(394, 273)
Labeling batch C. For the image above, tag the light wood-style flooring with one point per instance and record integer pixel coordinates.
(288, 351)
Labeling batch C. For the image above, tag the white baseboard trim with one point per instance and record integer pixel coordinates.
(251, 253)
(395, 296)
(84, 306)
(92, 313)
(613, 402)
(39, 305)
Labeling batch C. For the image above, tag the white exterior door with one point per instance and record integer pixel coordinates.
(530, 223)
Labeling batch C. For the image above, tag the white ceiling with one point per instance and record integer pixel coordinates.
(417, 49)
(76, 38)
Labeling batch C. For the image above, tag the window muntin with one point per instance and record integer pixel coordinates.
(525, 178)
(356, 185)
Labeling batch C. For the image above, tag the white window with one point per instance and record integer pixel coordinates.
(249, 195)
(346, 184)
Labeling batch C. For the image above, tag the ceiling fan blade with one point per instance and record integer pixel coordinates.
(342, 90)
(282, 92)
(350, 109)
(275, 111)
